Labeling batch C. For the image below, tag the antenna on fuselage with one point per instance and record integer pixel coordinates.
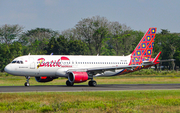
(51, 54)
(29, 54)
(97, 54)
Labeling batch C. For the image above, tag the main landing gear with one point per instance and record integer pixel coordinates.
(27, 79)
(92, 83)
(69, 83)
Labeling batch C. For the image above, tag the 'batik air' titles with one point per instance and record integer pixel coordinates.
(53, 63)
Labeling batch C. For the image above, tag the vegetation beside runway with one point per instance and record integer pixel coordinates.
(99, 101)
(138, 77)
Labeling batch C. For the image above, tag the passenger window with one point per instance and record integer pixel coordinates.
(18, 62)
(21, 62)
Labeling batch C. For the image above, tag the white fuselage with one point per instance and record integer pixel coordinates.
(58, 65)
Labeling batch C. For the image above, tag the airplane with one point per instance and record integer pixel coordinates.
(80, 68)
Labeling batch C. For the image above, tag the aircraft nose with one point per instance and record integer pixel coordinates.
(7, 68)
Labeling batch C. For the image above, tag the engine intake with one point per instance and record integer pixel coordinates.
(45, 79)
(77, 77)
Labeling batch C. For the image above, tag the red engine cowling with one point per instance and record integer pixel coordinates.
(45, 79)
(77, 77)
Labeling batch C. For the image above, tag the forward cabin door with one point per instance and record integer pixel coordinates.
(34, 71)
(32, 63)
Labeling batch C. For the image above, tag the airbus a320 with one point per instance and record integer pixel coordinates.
(77, 69)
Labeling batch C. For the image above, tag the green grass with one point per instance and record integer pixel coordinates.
(111, 101)
(106, 102)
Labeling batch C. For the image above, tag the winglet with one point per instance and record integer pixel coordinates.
(156, 58)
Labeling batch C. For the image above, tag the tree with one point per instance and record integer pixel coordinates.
(35, 48)
(77, 47)
(93, 31)
(40, 34)
(8, 33)
(71, 34)
(8, 53)
(62, 46)
(121, 38)
(58, 46)
(177, 56)
(168, 43)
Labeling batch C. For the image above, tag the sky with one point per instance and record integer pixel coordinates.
(60, 15)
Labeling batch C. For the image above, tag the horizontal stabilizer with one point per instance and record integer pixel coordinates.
(147, 63)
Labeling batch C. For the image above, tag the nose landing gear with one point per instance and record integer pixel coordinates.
(27, 79)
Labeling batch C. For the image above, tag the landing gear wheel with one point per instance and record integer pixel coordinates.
(69, 83)
(92, 83)
(26, 84)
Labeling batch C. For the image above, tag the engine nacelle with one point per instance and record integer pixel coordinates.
(45, 79)
(77, 77)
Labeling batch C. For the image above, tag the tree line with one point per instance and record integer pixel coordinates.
(90, 36)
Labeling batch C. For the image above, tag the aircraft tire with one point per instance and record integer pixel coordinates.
(26, 84)
(69, 83)
(92, 83)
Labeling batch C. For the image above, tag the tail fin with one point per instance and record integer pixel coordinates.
(144, 49)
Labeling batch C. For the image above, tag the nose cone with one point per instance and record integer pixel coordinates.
(8, 69)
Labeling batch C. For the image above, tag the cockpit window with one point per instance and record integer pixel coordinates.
(13, 62)
(17, 62)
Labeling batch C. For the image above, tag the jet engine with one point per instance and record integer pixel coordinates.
(77, 77)
(45, 79)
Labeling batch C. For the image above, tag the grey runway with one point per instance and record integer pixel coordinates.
(101, 87)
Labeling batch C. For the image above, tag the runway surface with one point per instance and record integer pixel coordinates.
(113, 87)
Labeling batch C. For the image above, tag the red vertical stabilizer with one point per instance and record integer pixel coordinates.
(144, 49)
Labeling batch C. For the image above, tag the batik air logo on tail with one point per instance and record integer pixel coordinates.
(144, 49)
